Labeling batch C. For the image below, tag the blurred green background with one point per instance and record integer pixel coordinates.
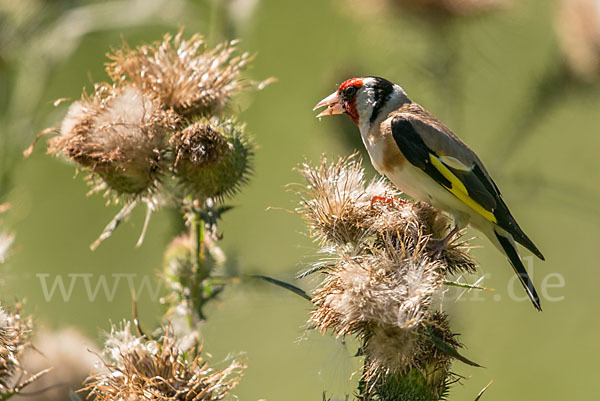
(483, 75)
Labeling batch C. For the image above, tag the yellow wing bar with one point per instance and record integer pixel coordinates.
(459, 190)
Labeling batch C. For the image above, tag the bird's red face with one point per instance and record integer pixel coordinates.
(343, 100)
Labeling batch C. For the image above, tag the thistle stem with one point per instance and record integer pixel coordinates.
(200, 270)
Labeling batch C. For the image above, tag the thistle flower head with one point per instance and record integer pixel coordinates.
(146, 369)
(119, 135)
(183, 74)
(337, 206)
(578, 26)
(395, 357)
(212, 158)
(382, 270)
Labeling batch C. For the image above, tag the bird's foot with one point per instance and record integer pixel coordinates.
(386, 200)
(436, 250)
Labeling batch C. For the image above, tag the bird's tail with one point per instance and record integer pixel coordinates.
(507, 245)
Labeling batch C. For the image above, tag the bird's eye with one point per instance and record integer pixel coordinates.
(351, 91)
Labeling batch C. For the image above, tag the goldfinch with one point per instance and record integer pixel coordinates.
(427, 161)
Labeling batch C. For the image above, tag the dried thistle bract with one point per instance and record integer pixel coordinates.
(157, 134)
(141, 368)
(338, 206)
(381, 272)
(14, 335)
(184, 74)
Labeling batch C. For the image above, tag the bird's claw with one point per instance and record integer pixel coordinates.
(385, 199)
(438, 248)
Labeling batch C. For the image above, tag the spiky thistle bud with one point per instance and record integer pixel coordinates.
(141, 368)
(119, 134)
(178, 261)
(178, 265)
(212, 158)
(186, 278)
(382, 272)
(184, 74)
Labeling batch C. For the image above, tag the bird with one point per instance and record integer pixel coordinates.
(423, 158)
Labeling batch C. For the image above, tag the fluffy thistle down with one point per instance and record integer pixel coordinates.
(578, 28)
(184, 74)
(212, 158)
(382, 271)
(140, 368)
(120, 135)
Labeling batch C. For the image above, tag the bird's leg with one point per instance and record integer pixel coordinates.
(385, 199)
(439, 247)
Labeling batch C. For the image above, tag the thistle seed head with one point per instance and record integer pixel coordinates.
(212, 158)
(14, 335)
(119, 135)
(383, 287)
(144, 369)
(183, 74)
(391, 350)
(381, 271)
(337, 206)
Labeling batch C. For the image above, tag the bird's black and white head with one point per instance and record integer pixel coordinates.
(366, 100)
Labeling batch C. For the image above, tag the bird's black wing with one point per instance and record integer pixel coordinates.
(456, 168)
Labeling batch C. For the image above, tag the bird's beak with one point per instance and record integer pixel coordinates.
(334, 106)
